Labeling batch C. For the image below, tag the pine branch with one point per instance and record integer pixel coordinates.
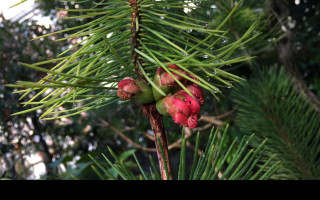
(149, 110)
(269, 106)
(287, 56)
(117, 42)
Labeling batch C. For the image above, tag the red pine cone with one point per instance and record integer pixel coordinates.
(128, 88)
(166, 79)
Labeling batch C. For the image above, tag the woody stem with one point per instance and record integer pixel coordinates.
(156, 122)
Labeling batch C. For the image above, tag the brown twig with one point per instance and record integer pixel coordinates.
(106, 124)
(212, 119)
(176, 144)
(205, 127)
(225, 114)
(215, 120)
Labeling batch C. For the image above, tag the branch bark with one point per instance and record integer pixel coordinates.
(156, 122)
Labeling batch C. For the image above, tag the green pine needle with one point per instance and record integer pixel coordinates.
(244, 164)
(104, 55)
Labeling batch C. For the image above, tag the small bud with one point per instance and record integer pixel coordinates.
(193, 103)
(193, 121)
(166, 82)
(176, 108)
(171, 105)
(196, 91)
(129, 88)
(183, 109)
(166, 79)
(180, 118)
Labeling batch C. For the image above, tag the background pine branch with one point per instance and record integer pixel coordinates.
(269, 106)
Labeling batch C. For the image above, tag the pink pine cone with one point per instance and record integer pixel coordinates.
(166, 79)
(128, 88)
(193, 103)
(180, 118)
(182, 107)
(196, 91)
(193, 121)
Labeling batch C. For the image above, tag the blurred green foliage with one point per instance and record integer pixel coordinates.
(64, 144)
